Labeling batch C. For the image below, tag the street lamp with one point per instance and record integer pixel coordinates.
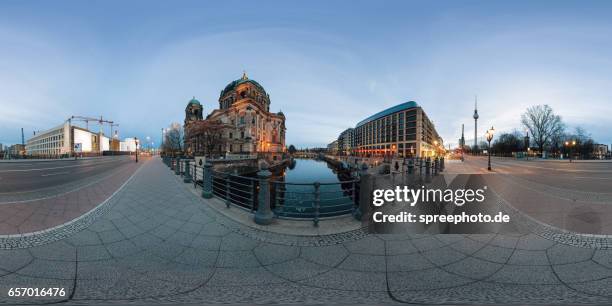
(489, 136)
(136, 142)
(571, 147)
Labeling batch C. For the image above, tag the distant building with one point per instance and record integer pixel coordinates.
(128, 145)
(403, 130)
(66, 139)
(16, 150)
(345, 142)
(332, 148)
(600, 151)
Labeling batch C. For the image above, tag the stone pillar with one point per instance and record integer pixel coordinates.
(187, 177)
(435, 166)
(207, 181)
(264, 214)
(366, 187)
(428, 170)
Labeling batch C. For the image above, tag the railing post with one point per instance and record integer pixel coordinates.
(354, 193)
(195, 174)
(207, 181)
(428, 169)
(187, 177)
(253, 191)
(227, 190)
(264, 214)
(365, 192)
(177, 166)
(435, 166)
(317, 202)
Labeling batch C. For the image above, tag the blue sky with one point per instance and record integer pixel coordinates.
(325, 64)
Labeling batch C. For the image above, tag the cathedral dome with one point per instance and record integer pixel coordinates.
(244, 79)
(193, 101)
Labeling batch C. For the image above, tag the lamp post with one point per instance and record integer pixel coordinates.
(527, 143)
(489, 136)
(570, 145)
(136, 141)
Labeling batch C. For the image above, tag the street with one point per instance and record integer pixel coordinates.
(33, 175)
(573, 196)
(38, 195)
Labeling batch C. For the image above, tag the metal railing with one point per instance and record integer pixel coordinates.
(302, 201)
(314, 200)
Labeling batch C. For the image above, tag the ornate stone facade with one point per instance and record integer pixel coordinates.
(249, 127)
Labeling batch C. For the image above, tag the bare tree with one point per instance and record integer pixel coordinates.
(206, 137)
(543, 124)
(173, 142)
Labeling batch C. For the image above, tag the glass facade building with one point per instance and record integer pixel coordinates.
(403, 130)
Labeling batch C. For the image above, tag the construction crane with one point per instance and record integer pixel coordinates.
(101, 121)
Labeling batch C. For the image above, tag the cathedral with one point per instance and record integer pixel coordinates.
(243, 122)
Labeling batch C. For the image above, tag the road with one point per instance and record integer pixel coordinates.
(576, 197)
(33, 175)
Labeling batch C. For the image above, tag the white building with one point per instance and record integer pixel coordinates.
(128, 145)
(63, 139)
(55, 141)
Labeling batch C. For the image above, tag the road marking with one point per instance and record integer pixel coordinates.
(52, 174)
(593, 178)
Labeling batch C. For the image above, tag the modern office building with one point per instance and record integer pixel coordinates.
(403, 130)
(345, 142)
(66, 139)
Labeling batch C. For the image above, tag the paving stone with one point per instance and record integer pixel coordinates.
(525, 275)
(529, 257)
(581, 272)
(297, 269)
(330, 256)
(274, 253)
(364, 263)
(407, 262)
(562, 254)
(425, 280)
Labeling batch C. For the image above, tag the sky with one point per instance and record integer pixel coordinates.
(325, 64)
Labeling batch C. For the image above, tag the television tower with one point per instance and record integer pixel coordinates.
(475, 122)
(462, 141)
(22, 138)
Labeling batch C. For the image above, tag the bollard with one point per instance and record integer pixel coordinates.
(364, 192)
(207, 181)
(187, 178)
(435, 166)
(264, 214)
(442, 164)
(227, 190)
(428, 170)
(317, 202)
(410, 166)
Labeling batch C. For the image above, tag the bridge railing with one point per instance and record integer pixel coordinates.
(314, 201)
(268, 199)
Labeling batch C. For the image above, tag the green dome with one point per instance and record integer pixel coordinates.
(244, 79)
(194, 101)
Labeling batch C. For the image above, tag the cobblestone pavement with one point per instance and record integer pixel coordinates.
(159, 243)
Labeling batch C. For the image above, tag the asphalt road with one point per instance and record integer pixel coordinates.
(593, 176)
(33, 175)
